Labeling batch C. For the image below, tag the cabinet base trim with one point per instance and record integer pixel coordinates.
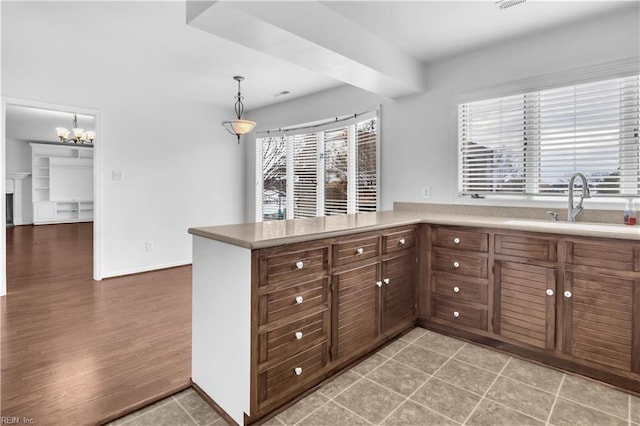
(226, 417)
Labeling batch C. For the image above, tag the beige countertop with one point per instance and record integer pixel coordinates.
(273, 233)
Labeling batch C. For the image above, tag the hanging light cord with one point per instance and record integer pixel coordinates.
(239, 105)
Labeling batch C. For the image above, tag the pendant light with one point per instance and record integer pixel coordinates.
(239, 126)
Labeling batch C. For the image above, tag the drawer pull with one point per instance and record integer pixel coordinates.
(456, 289)
(456, 264)
(298, 371)
(386, 280)
(299, 299)
(402, 241)
(456, 314)
(456, 240)
(298, 335)
(549, 292)
(360, 250)
(378, 283)
(567, 294)
(300, 264)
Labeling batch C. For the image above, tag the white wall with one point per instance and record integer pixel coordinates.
(418, 133)
(181, 168)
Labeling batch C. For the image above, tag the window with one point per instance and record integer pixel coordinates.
(318, 170)
(531, 143)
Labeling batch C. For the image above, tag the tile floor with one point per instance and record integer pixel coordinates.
(425, 378)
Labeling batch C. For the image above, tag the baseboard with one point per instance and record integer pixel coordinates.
(150, 268)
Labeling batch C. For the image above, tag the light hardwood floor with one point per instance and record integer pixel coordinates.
(77, 352)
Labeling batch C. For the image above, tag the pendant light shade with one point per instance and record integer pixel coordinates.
(239, 126)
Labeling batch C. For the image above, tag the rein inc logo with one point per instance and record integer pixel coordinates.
(16, 420)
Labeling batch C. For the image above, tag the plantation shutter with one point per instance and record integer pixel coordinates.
(366, 166)
(305, 174)
(336, 148)
(532, 143)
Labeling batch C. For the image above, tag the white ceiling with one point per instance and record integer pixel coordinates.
(149, 45)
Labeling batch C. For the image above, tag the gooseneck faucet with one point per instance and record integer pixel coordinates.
(573, 212)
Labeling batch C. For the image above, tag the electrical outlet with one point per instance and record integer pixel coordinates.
(149, 245)
(117, 175)
(426, 192)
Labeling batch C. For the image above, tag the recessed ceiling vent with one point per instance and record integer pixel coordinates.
(503, 4)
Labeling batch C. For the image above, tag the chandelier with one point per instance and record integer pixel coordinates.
(79, 135)
(239, 126)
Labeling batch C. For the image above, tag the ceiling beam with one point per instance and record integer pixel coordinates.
(315, 37)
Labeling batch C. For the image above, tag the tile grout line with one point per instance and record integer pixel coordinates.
(555, 400)
(416, 390)
(144, 414)
(487, 391)
(185, 410)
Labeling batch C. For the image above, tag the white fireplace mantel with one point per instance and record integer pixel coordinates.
(14, 186)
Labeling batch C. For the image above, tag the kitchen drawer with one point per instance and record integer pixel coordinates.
(351, 251)
(284, 380)
(459, 313)
(525, 247)
(278, 268)
(293, 300)
(460, 238)
(606, 254)
(457, 288)
(288, 339)
(464, 264)
(398, 240)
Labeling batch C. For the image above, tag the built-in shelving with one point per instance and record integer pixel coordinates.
(62, 185)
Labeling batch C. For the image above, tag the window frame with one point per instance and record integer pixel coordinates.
(319, 128)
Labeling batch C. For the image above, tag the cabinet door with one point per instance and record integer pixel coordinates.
(44, 212)
(525, 303)
(356, 310)
(398, 292)
(599, 319)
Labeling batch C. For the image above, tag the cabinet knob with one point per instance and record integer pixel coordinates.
(386, 280)
(298, 335)
(456, 264)
(456, 240)
(549, 292)
(402, 241)
(456, 289)
(456, 314)
(379, 283)
(299, 299)
(300, 264)
(567, 294)
(298, 371)
(359, 250)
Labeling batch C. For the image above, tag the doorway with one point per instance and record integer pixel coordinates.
(52, 182)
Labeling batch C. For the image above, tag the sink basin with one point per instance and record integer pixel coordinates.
(565, 226)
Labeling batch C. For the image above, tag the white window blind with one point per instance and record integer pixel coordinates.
(329, 171)
(531, 143)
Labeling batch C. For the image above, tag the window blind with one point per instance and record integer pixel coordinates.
(531, 143)
(322, 172)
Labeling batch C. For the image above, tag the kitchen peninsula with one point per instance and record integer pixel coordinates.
(280, 306)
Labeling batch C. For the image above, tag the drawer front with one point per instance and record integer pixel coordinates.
(457, 288)
(459, 313)
(288, 266)
(463, 239)
(473, 266)
(399, 240)
(609, 255)
(285, 379)
(356, 250)
(525, 247)
(293, 300)
(287, 340)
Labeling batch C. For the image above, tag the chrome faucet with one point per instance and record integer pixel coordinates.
(573, 212)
